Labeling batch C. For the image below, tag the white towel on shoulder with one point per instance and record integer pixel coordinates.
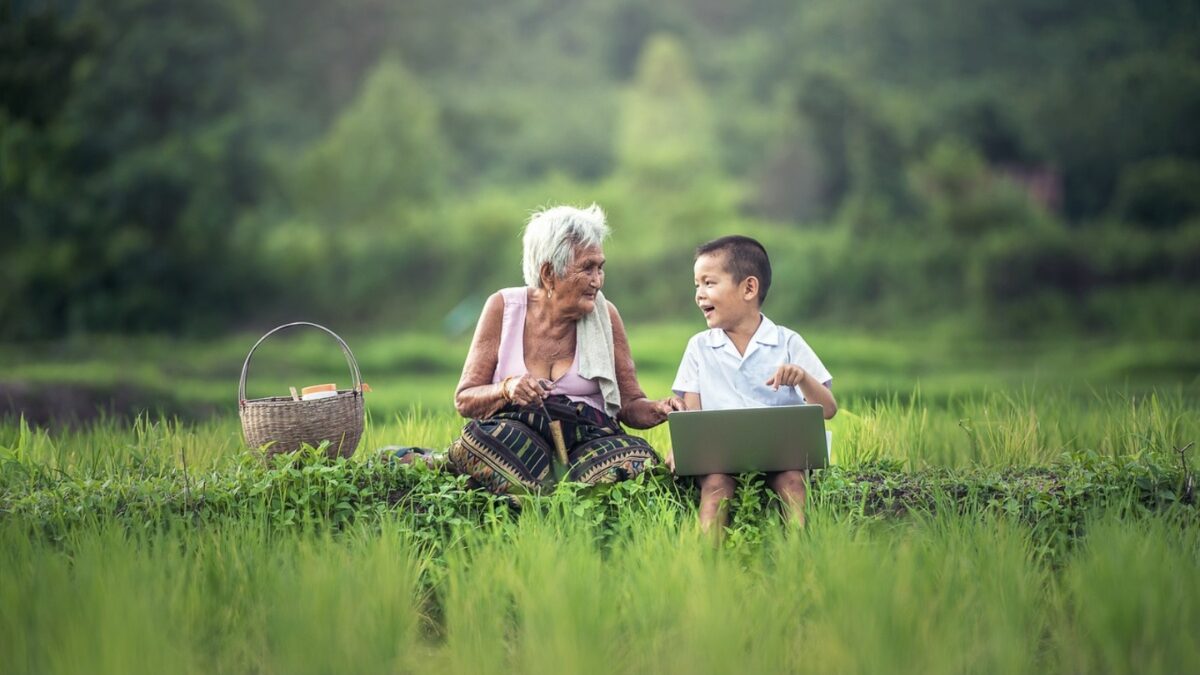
(597, 357)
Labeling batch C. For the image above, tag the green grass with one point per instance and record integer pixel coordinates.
(1031, 427)
(198, 378)
(992, 508)
(932, 594)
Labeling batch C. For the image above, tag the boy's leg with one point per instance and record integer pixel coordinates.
(791, 486)
(715, 492)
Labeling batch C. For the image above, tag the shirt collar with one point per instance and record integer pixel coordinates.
(767, 334)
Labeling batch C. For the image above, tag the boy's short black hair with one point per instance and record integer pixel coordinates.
(744, 257)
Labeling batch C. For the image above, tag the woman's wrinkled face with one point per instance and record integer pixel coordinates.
(583, 278)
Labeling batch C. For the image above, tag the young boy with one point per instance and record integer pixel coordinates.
(745, 360)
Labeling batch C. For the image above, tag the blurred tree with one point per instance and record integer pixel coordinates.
(962, 196)
(1121, 84)
(127, 192)
(1088, 87)
(824, 105)
(665, 135)
(792, 183)
(1159, 193)
(158, 157)
(862, 154)
(989, 125)
(631, 25)
(37, 52)
(385, 150)
(310, 57)
(1023, 283)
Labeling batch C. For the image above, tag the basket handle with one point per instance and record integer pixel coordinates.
(345, 350)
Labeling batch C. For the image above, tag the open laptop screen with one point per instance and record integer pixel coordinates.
(778, 438)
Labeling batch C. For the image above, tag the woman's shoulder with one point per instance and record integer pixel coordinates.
(516, 295)
(494, 306)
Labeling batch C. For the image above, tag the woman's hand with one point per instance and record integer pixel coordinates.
(659, 410)
(674, 403)
(643, 413)
(525, 390)
(788, 375)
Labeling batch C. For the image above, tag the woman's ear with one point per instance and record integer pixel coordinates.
(547, 276)
(749, 288)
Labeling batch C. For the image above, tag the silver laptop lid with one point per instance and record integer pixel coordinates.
(778, 438)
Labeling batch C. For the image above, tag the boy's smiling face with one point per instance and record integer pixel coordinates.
(724, 302)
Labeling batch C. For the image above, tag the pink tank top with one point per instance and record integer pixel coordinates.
(511, 361)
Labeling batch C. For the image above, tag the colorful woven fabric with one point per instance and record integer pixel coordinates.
(512, 452)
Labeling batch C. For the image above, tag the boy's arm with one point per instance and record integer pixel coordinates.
(791, 375)
(816, 392)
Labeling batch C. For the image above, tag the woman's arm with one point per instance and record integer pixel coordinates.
(637, 411)
(476, 396)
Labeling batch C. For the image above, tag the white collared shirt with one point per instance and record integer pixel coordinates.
(712, 367)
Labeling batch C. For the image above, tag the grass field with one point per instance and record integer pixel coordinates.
(198, 379)
(992, 508)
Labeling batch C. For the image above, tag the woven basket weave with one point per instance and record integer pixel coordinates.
(282, 424)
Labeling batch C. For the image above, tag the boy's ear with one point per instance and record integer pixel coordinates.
(750, 288)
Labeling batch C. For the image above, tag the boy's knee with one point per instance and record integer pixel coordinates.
(788, 482)
(717, 484)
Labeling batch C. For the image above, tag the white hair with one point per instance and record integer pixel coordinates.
(552, 235)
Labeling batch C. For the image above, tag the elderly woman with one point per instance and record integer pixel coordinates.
(553, 350)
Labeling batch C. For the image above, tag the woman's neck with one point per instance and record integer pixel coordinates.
(549, 318)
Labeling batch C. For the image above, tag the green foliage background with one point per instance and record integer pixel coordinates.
(983, 214)
(1006, 167)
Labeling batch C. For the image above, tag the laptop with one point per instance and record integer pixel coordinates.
(778, 438)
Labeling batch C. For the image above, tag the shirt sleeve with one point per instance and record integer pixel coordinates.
(802, 355)
(687, 379)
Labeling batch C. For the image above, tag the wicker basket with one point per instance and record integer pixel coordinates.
(283, 424)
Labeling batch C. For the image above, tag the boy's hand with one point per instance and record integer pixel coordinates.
(788, 375)
(669, 460)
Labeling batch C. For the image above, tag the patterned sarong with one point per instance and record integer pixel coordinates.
(512, 452)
